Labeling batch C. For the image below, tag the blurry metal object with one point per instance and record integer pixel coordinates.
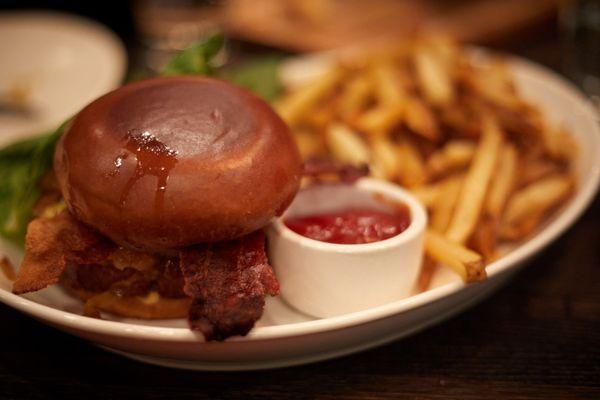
(312, 25)
(166, 26)
(580, 23)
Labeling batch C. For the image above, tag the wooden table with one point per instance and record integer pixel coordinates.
(537, 338)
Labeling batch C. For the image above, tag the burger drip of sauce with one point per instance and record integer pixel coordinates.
(352, 226)
(166, 163)
(152, 158)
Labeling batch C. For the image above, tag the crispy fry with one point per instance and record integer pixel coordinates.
(433, 78)
(460, 120)
(428, 194)
(456, 154)
(474, 188)
(537, 198)
(445, 204)
(296, 104)
(388, 85)
(522, 127)
(559, 144)
(318, 118)
(503, 181)
(412, 172)
(354, 97)
(346, 146)
(522, 229)
(380, 119)
(420, 119)
(466, 263)
(385, 163)
(309, 144)
(535, 169)
(484, 238)
(495, 84)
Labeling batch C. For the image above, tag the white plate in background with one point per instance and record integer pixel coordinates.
(284, 337)
(61, 61)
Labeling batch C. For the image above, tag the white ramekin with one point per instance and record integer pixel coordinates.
(326, 279)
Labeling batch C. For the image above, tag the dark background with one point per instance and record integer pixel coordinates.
(114, 14)
(537, 338)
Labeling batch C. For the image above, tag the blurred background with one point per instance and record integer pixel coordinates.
(561, 34)
(82, 59)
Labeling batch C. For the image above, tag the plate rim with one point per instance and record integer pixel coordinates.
(586, 192)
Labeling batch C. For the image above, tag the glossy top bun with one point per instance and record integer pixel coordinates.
(170, 162)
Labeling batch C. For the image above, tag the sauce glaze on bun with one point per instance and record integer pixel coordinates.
(171, 162)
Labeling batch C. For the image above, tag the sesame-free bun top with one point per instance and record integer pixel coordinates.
(171, 162)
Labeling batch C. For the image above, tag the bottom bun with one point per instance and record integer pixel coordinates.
(152, 306)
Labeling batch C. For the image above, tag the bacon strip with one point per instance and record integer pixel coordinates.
(53, 243)
(228, 282)
(318, 168)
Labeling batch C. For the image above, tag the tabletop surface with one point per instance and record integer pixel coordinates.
(537, 338)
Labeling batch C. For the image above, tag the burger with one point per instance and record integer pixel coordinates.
(156, 206)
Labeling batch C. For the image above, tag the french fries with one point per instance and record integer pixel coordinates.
(503, 181)
(455, 155)
(495, 85)
(433, 78)
(388, 84)
(309, 143)
(428, 194)
(466, 263)
(385, 163)
(380, 119)
(560, 145)
(294, 106)
(537, 169)
(470, 201)
(529, 204)
(420, 119)
(346, 146)
(412, 172)
(485, 237)
(354, 97)
(444, 205)
(484, 162)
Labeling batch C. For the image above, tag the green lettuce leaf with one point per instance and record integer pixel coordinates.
(22, 165)
(259, 75)
(196, 59)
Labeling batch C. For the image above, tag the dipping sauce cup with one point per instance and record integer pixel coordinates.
(327, 279)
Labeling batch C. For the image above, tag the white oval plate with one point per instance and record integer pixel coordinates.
(62, 62)
(284, 337)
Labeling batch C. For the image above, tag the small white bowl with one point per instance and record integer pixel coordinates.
(327, 279)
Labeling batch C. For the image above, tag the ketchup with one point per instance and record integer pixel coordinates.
(351, 226)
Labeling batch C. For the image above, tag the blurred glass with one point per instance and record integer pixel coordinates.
(166, 26)
(580, 22)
